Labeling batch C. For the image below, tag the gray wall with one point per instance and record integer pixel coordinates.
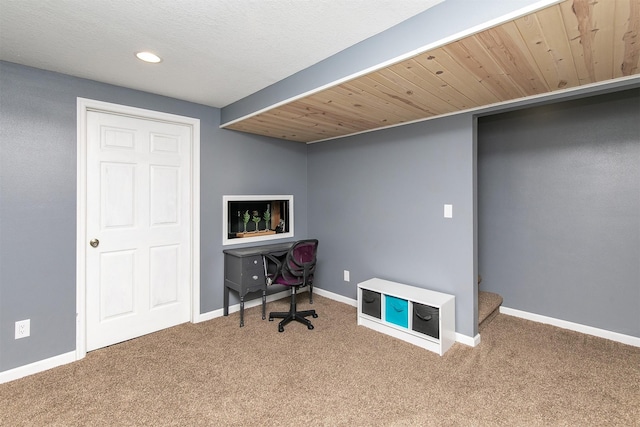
(376, 205)
(375, 201)
(559, 210)
(38, 199)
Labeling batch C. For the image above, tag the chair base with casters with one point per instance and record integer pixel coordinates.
(293, 314)
(294, 269)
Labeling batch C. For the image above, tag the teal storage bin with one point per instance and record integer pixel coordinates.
(396, 311)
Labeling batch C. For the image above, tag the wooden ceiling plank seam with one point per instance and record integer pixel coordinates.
(417, 88)
(621, 22)
(555, 32)
(375, 104)
(340, 102)
(377, 89)
(472, 54)
(632, 41)
(332, 103)
(295, 112)
(324, 101)
(315, 127)
(397, 94)
(603, 13)
(247, 128)
(260, 128)
(349, 116)
(627, 38)
(307, 130)
(413, 71)
(273, 125)
(429, 105)
(371, 87)
(547, 43)
(272, 120)
(531, 30)
(363, 97)
(570, 24)
(322, 117)
(328, 122)
(576, 16)
(449, 81)
(549, 47)
(439, 63)
(511, 53)
(496, 72)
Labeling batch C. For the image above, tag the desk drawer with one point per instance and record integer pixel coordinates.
(252, 262)
(253, 279)
(252, 269)
(248, 271)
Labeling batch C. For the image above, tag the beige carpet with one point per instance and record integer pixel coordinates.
(217, 374)
(488, 308)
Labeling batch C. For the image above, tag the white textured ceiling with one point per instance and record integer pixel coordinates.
(214, 51)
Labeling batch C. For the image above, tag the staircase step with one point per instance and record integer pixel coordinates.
(488, 307)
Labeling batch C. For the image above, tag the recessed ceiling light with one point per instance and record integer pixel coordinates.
(148, 57)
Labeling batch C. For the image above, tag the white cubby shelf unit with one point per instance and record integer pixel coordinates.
(419, 316)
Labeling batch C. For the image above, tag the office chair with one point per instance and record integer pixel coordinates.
(295, 269)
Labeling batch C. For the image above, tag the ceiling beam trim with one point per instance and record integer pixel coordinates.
(441, 24)
(592, 89)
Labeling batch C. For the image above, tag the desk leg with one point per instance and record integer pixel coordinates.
(264, 303)
(241, 311)
(226, 300)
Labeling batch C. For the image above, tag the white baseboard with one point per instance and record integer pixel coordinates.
(335, 297)
(35, 367)
(236, 307)
(467, 340)
(63, 359)
(203, 317)
(589, 330)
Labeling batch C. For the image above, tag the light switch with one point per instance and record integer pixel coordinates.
(448, 211)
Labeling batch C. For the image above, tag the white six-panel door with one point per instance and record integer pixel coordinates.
(138, 218)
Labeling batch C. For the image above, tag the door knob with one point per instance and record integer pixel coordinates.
(94, 243)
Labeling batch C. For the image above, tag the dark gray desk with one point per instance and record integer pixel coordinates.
(244, 273)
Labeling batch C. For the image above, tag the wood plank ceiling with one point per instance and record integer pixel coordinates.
(570, 44)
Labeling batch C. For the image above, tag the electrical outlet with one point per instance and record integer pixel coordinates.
(346, 275)
(23, 328)
(448, 211)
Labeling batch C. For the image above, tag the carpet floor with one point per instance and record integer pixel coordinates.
(217, 374)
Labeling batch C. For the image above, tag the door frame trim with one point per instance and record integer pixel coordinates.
(83, 106)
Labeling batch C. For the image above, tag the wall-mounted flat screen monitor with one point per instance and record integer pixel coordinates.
(255, 218)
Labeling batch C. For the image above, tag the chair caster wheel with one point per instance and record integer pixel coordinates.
(270, 319)
(315, 316)
(310, 326)
(280, 328)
